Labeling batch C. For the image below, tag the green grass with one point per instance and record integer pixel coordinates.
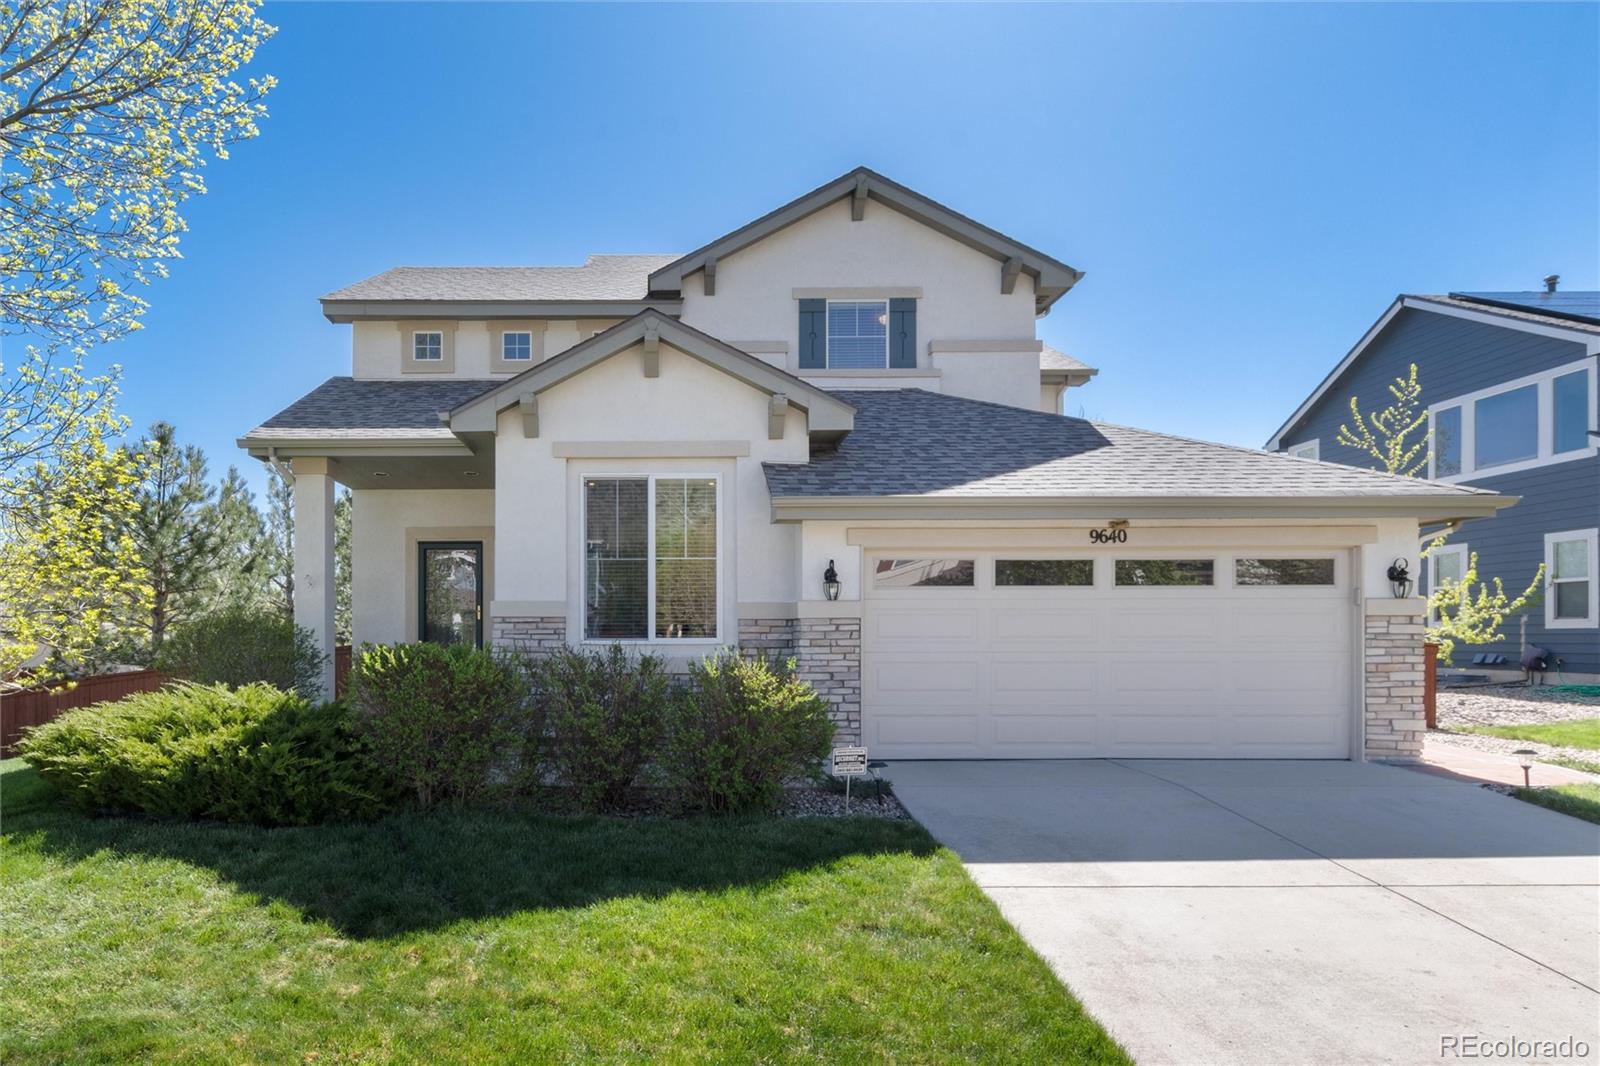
(503, 935)
(1577, 733)
(1580, 801)
(1588, 766)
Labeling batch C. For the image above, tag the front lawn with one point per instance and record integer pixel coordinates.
(503, 935)
(1580, 801)
(1573, 733)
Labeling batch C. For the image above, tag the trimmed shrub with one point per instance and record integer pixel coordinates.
(255, 754)
(739, 729)
(440, 718)
(240, 646)
(604, 712)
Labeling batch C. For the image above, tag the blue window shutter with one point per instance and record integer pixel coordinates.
(903, 333)
(813, 334)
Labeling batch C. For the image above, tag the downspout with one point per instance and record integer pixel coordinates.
(1450, 527)
(283, 469)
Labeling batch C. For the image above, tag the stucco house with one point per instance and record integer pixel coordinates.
(673, 452)
(1509, 381)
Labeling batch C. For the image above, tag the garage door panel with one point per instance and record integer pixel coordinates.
(1197, 672)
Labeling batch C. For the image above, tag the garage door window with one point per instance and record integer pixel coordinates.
(1283, 572)
(1043, 572)
(924, 573)
(1156, 572)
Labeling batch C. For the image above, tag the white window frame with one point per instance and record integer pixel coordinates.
(650, 561)
(1453, 550)
(427, 358)
(1306, 449)
(1544, 382)
(827, 337)
(504, 333)
(1590, 537)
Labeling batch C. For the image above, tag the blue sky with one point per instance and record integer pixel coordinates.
(1247, 187)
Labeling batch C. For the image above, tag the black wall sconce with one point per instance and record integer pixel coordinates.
(830, 582)
(1399, 579)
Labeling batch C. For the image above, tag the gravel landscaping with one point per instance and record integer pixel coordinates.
(1506, 705)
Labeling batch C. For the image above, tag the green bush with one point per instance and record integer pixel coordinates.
(739, 729)
(442, 719)
(240, 646)
(255, 754)
(604, 712)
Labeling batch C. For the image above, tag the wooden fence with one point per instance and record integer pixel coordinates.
(19, 710)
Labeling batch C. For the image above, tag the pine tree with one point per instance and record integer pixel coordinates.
(278, 545)
(241, 576)
(342, 528)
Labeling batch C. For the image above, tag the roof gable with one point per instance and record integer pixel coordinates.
(1051, 277)
(828, 417)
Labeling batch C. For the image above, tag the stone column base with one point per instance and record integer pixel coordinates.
(1392, 676)
(828, 654)
(534, 635)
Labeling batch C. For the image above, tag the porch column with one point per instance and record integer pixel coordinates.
(313, 558)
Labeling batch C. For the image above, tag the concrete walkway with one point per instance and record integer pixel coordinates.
(1443, 759)
(1283, 912)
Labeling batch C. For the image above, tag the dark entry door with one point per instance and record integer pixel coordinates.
(450, 591)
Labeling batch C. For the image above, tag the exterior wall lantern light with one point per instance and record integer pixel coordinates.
(830, 582)
(1399, 579)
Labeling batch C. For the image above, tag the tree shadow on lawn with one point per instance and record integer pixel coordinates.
(418, 871)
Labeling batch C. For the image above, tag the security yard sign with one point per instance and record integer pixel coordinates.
(849, 762)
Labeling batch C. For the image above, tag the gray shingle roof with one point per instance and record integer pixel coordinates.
(1528, 315)
(346, 407)
(602, 277)
(1051, 359)
(910, 442)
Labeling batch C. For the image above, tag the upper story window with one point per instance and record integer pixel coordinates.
(1539, 419)
(427, 346)
(858, 334)
(1310, 449)
(516, 346)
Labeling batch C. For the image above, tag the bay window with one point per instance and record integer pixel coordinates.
(650, 558)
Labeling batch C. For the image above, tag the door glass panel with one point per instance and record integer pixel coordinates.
(1508, 427)
(1024, 572)
(1164, 571)
(450, 595)
(923, 573)
(1283, 572)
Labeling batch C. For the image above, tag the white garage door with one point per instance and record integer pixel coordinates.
(1195, 654)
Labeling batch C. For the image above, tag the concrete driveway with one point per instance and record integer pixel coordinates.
(1284, 912)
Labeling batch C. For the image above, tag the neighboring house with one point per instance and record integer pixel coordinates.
(671, 451)
(1509, 380)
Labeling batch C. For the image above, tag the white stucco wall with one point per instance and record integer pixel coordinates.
(537, 494)
(376, 347)
(385, 527)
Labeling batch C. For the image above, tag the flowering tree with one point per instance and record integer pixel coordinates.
(1387, 435)
(108, 112)
(1468, 612)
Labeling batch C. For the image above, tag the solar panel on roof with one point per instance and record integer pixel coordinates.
(1579, 305)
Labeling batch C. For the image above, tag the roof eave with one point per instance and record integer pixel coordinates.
(861, 508)
(422, 446)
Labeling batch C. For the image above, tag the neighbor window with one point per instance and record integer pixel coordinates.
(427, 346)
(1508, 427)
(1165, 571)
(923, 573)
(516, 347)
(858, 334)
(1023, 572)
(650, 558)
(1518, 425)
(1447, 442)
(1573, 568)
(1569, 401)
(1283, 571)
(1447, 565)
(1310, 449)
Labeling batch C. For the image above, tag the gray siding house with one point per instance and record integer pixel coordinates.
(1509, 381)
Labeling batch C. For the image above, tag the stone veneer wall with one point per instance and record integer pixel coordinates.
(828, 651)
(1393, 677)
(534, 635)
(772, 637)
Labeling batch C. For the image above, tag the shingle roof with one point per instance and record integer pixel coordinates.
(346, 407)
(1522, 314)
(1051, 359)
(602, 277)
(910, 442)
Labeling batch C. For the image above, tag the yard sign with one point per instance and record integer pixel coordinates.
(849, 763)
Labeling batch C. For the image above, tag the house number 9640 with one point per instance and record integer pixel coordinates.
(1108, 536)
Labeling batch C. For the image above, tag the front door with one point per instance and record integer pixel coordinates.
(450, 592)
